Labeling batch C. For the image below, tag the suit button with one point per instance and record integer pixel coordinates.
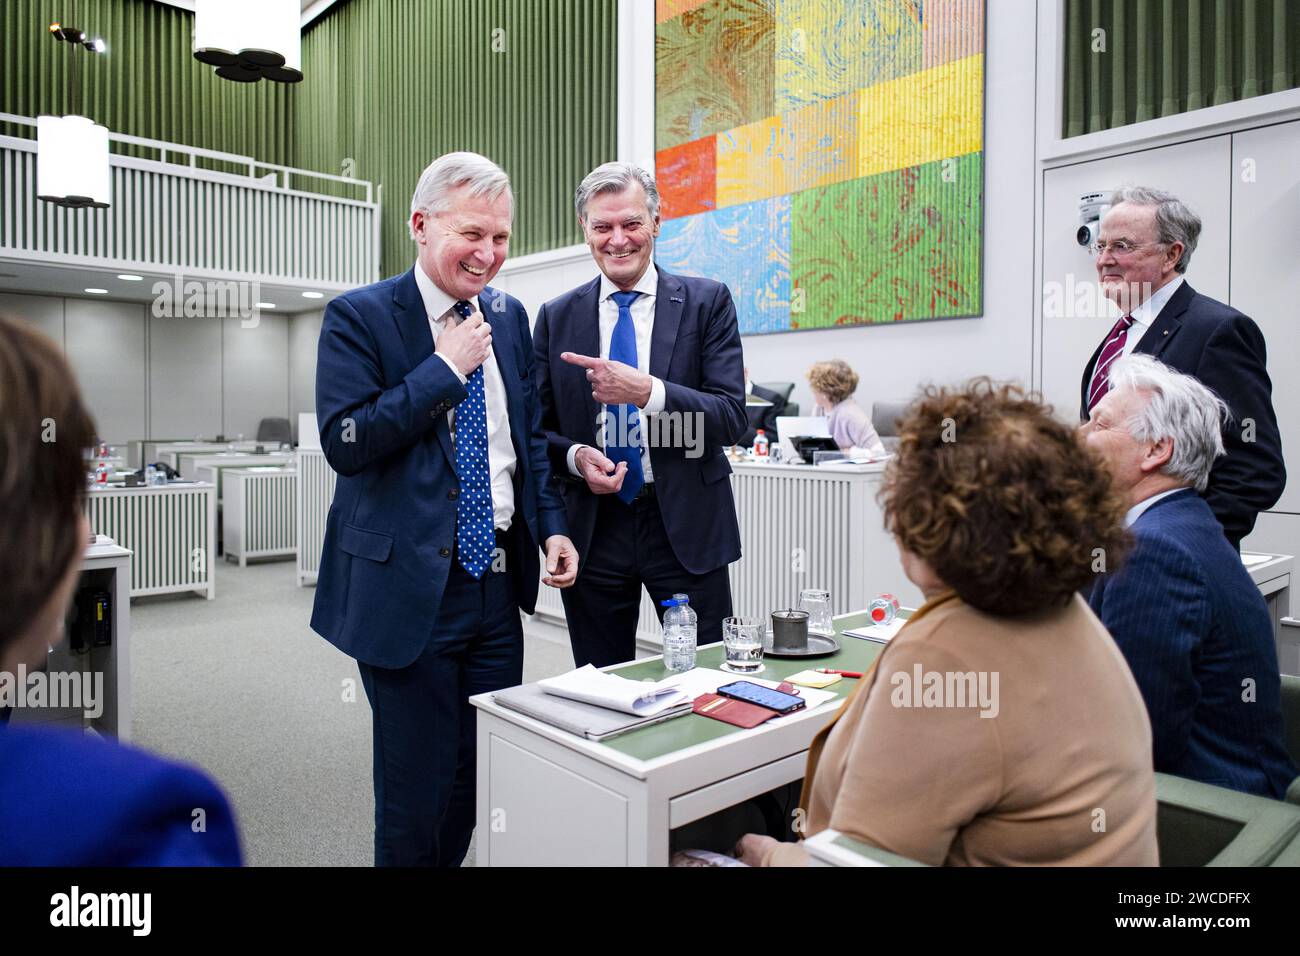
(453, 494)
(444, 552)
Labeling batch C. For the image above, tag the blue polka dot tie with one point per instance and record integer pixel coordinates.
(475, 535)
(622, 423)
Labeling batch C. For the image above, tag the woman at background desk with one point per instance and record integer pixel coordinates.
(1051, 762)
(833, 384)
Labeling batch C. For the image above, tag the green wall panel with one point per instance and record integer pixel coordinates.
(392, 84)
(389, 84)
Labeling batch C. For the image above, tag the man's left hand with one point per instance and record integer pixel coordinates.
(612, 383)
(561, 562)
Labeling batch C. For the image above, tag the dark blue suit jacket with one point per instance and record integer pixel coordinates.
(1194, 627)
(1224, 350)
(71, 800)
(382, 398)
(695, 350)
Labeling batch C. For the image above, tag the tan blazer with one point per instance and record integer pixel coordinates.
(1058, 772)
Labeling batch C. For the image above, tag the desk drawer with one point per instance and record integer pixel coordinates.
(698, 804)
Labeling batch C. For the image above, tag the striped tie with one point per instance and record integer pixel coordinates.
(1112, 350)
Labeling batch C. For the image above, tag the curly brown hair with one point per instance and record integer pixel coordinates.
(1000, 499)
(834, 379)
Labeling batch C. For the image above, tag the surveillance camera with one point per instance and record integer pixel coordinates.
(1092, 206)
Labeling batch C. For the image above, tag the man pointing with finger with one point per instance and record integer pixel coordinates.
(642, 386)
(428, 412)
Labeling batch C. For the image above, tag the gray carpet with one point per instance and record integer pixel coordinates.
(241, 687)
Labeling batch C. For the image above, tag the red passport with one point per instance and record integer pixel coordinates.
(737, 712)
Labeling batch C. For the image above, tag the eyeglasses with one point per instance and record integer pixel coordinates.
(1119, 248)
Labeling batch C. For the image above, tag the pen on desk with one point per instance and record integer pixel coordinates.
(831, 670)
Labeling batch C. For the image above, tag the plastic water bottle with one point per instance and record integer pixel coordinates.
(760, 445)
(679, 633)
(150, 476)
(101, 474)
(883, 610)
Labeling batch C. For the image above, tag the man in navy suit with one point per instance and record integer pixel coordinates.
(1182, 608)
(1146, 242)
(67, 799)
(429, 414)
(642, 386)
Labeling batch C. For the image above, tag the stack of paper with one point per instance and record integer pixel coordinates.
(880, 633)
(639, 698)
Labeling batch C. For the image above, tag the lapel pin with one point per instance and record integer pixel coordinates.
(674, 298)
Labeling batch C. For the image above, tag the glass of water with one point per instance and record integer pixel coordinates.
(818, 605)
(742, 637)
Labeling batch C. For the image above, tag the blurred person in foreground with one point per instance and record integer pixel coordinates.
(68, 799)
(1001, 725)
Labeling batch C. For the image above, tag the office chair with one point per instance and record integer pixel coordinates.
(275, 429)
(884, 419)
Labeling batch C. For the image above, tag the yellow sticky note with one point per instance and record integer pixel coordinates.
(814, 679)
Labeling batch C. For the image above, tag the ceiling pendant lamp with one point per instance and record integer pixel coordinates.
(72, 166)
(250, 40)
(72, 162)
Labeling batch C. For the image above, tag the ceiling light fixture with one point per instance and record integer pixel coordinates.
(313, 295)
(250, 40)
(130, 278)
(98, 291)
(266, 305)
(72, 167)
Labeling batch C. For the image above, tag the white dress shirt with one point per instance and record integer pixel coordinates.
(501, 448)
(643, 320)
(1143, 316)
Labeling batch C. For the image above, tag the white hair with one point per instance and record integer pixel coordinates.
(1178, 407)
(614, 178)
(440, 177)
(1175, 222)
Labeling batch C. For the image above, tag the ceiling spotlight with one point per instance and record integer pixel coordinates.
(98, 291)
(126, 277)
(96, 45)
(313, 295)
(266, 305)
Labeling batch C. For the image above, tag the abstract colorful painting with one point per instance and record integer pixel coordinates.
(824, 158)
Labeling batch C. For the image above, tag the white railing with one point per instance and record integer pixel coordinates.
(194, 221)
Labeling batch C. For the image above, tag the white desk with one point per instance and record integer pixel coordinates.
(170, 452)
(105, 566)
(800, 527)
(258, 513)
(191, 462)
(315, 493)
(546, 797)
(171, 532)
(1273, 578)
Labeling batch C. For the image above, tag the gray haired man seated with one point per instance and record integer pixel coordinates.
(1184, 612)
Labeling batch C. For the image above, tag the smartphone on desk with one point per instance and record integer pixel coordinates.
(752, 693)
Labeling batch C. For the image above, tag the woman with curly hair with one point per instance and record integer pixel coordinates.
(1001, 725)
(833, 384)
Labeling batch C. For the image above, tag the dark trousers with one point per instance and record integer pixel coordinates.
(424, 728)
(630, 548)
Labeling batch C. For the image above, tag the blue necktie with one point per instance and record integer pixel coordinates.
(475, 536)
(622, 424)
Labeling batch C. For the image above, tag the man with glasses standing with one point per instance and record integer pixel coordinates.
(1146, 242)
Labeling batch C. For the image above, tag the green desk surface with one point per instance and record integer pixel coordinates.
(659, 740)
